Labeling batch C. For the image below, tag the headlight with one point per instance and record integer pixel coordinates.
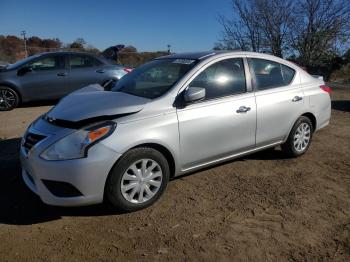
(77, 144)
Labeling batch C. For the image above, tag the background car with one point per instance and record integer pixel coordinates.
(53, 75)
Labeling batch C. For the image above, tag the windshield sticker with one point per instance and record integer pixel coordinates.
(183, 61)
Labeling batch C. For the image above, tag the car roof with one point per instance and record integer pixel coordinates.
(190, 55)
(66, 53)
(201, 56)
(212, 53)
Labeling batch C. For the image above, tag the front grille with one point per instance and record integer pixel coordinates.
(32, 139)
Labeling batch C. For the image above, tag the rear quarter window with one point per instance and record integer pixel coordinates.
(288, 74)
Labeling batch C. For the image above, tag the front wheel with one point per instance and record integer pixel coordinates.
(138, 179)
(9, 98)
(299, 138)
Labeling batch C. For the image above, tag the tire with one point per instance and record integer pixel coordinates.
(9, 98)
(128, 172)
(298, 143)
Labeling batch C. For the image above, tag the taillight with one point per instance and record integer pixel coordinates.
(326, 88)
(128, 70)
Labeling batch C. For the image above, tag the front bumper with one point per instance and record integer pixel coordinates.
(87, 175)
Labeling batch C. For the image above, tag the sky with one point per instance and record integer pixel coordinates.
(149, 25)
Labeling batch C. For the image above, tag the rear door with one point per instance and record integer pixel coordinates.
(48, 78)
(279, 99)
(216, 128)
(85, 70)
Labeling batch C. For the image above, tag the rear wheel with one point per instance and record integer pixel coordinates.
(299, 139)
(9, 98)
(138, 179)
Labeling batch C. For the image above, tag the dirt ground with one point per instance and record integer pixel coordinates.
(260, 207)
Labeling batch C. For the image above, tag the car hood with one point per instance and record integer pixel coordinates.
(92, 104)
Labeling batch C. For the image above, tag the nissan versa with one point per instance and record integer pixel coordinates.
(171, 116)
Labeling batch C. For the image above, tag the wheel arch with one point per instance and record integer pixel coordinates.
(165, 151)
(309, 115)
(313, 119)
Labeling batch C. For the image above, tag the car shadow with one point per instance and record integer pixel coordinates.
(341, 105)
(273, 153)
(20, 206)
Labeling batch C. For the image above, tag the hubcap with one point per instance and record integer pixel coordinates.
(141, 181)
(7, 99)
(302, 137)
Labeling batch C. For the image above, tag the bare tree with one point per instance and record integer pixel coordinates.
(258, 25)
(313, 30)
(274, 19)
(242, 31)
(79, 43)
(321, 28)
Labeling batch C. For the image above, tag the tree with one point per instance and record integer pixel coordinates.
(79, 43)
(274, 19)
(242, 31)
(315, 31)
(258, 25)
(11, 48)
(321, 30)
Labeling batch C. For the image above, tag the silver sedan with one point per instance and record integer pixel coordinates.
(171, 116)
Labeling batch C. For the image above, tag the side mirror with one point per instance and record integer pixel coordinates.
(22, 71)
(193, 94)
(108, 85)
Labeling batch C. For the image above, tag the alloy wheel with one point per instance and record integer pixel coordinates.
(7, 99)
(302, 137)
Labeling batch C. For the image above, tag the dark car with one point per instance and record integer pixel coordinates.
(53, 75)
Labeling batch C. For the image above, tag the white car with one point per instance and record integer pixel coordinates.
(171, 116)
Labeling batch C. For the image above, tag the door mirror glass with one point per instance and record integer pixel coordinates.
(24, 70)
(193, 94)
(108, 85)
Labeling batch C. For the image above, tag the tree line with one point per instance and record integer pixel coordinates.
(312, 33)
(12, 49)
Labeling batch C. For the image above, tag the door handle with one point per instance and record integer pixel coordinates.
(101, 71)
(297, 98)
(243, 109)
(62, 74)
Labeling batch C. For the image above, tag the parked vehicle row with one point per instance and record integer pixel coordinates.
(52, 76)
(173, 115)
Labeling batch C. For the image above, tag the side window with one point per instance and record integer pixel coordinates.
(48, 63)
(97, 62)
(288, 74)
(81, 61)
(221, 79)
(269, 74)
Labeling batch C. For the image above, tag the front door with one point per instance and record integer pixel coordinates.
(224, 123)
(48, 78)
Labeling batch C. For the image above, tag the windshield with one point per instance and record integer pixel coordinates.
(155, 78)
(21, 62)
